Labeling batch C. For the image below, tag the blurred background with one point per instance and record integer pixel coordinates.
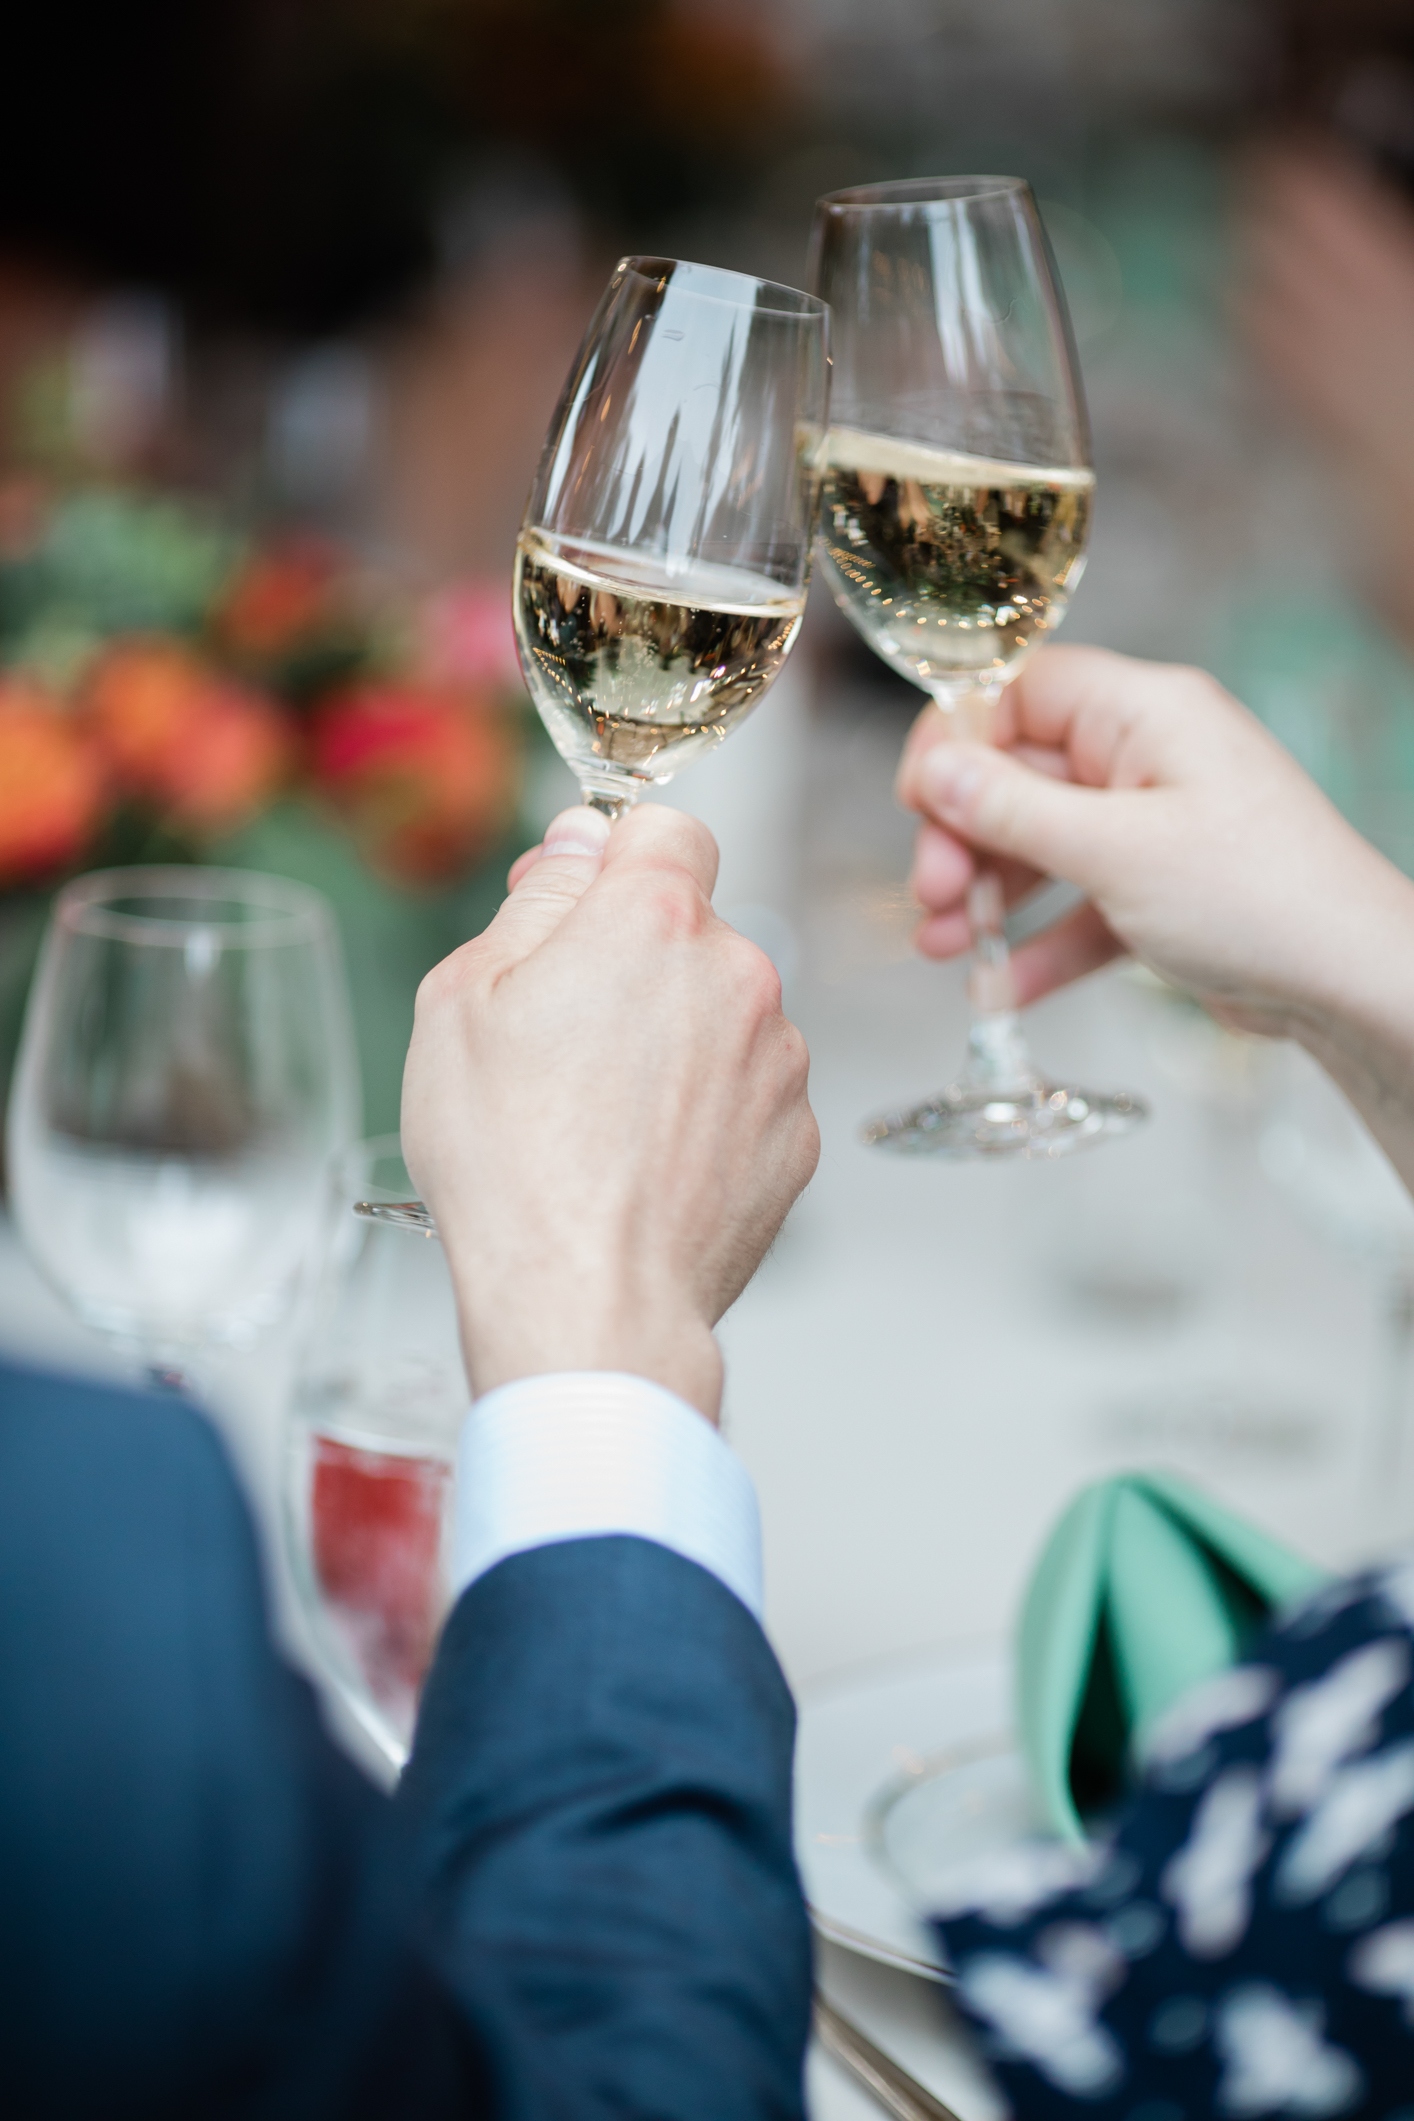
(287, 292)
(288, 288)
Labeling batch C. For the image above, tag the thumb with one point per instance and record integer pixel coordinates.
(563, 868)
(991, 800)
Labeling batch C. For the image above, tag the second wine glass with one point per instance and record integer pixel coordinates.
(956, 511)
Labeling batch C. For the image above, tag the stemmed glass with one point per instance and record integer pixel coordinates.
(186, 1076)
(662, 566)
(956, 508)
(379, 1396)
(661, 569)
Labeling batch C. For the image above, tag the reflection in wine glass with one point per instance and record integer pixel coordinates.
(186, 1077)
(661, 569)
(957, 502)
(372, 1432)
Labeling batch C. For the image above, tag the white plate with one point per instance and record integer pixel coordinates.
(900, 1778)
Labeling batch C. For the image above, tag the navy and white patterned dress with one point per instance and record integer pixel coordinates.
(1243, 1946)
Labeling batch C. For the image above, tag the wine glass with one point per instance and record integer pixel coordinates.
(956, 508)
(661, 569)
(378, 1400)
(186, 1076)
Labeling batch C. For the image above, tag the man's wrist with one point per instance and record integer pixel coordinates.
(535, 1331)
(594, 1455)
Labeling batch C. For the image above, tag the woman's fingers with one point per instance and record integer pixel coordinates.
(944, 866)
(943, 935)
(1076, 945)
(1078, 714)
(1080, 943)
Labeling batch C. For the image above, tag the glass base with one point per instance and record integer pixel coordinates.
(402, 1214)
(1002, 1107)
(1038, 1120)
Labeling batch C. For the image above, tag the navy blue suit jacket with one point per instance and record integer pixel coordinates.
(582, 1901)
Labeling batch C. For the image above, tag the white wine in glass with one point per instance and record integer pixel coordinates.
(662, 566)
(636, 672)
(957, 501)
(950, 565)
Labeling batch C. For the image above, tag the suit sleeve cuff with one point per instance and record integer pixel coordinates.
(585, 1454)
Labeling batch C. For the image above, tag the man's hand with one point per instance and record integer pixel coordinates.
(606, 1110)
(1201, 846)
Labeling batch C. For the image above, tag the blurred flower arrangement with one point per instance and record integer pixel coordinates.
(164, 681)
(172, 689)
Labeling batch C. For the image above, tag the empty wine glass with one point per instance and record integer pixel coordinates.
(662, 566)
(378, 1400)
(957, 504)
(186, 1076)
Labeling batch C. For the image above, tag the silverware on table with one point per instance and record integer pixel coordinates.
(898, 2093)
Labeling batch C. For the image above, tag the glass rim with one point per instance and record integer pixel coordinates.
(919, 191)
(796, 303)
(284, 912)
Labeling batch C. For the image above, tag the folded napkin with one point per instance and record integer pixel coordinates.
(1145, 1587)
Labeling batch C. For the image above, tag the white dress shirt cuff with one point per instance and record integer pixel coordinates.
(585, 1453)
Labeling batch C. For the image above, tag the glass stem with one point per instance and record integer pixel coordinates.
(998, 1057)
(997, 1054)
(611, 795)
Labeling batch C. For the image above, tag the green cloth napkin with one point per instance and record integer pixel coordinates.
(1145, 1587)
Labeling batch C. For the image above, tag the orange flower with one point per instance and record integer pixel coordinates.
(51, 785)
(424, 775)
(280, 597)
(206, 753)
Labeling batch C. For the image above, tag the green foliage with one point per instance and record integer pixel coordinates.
(110, 562)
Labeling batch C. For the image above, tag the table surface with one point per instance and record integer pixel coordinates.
(933, 1358)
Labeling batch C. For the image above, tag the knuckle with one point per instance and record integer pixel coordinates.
(994, 807)
(442, 988)
(702, 845)
(796, 1058)
(756, 979)
(751, 980)
(675, 908)
(434, 991)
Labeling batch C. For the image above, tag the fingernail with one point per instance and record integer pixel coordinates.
(583, 832)
(949, 781)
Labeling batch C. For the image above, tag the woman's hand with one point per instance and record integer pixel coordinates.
(1201, 847)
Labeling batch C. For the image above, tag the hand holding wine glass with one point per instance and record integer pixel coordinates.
(607, 1111)
(1201, 847)
(661, 570)
(956, 511)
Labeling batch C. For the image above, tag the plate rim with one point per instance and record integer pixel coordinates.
(985, 1652)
